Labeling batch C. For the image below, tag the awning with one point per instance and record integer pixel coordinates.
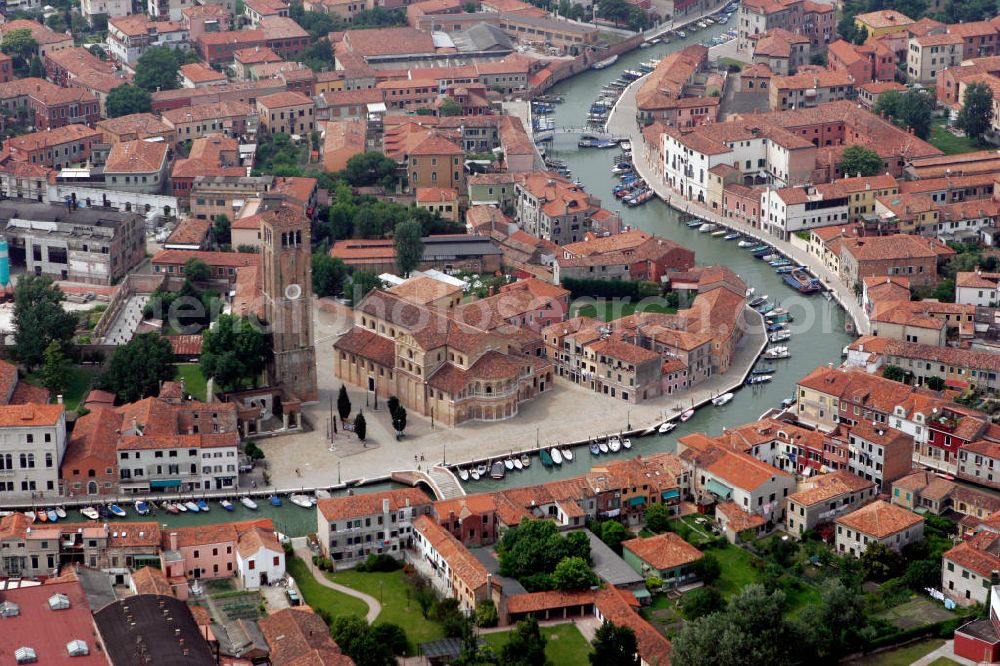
(165, 483)
(719, 490)
(636, 501)
(642, 593)
(956, 383)
(670, 494)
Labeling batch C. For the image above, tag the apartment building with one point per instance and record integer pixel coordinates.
(91, 9)
(551, 207)
(823, 498)
(880, 522)
(815, 20)
(968, 570)
(906, 255)
(464, 576)
(230, 118)
(810, 87)
(32, 443)
(978, 288)
(137, 166)
(789, 210)
(130, 36)
(927, 55)
(882, 22)
(219, 550)
(960, 368)
(57, 148)
(630, 255)
(880, 455)
(436, 162)
(288, 113)
(352, 527)
(872, 61)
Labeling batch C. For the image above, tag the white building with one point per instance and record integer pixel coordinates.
(825, 497)
(109, 8)
(788, 210)
(978, 288)
(137, 166)
(130, 36)
(880, 522)
(260, 559)
(32, 444)
(178, 462)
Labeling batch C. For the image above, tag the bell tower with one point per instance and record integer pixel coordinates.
(287, 289)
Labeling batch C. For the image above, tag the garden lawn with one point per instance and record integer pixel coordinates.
(80, 379)
(903, 656)
(737, 569)
(323, 598)
(610, 309)
(566, 646)
(942, 661)
(194, 382)
(397, 606)
(947, 142)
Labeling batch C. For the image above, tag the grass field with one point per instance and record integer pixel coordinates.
(947, 142)
(566, 645)
(903, 656)
(726, 62)
(942, 661)
(609, 310)
(320, 597)
(194, 382)
(737, 571)
(80, 379)
(391, 589)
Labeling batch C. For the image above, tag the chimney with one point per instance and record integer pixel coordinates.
(59, 399)
(385, 505)
(173, 541)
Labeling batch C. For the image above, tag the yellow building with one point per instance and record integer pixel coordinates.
(287, 113)
(436, 162)
(882, 22)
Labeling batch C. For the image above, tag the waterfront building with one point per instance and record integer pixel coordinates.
(352, 527)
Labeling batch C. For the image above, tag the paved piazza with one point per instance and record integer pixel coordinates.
(306, 460)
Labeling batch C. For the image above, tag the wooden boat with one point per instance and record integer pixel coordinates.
(666, 427)
(203, 505)
(687, 415)
(303, 501)
(721, 400)
(117, 511)
(567, 454)
(463, 474)
(545, 457)
(518, 465)
(141, 508)
(525, 460)
(90, 513)
(275, 500)
(509, 464)
(498, 471)
(226, 504)
(556, 454)
(248, 503)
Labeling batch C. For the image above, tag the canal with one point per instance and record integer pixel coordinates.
(819, 327)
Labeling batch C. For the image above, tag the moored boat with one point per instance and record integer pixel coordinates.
(567, 454)
(595, 449)
(721, 400)
(248, 503)
(117, 511)
(759, 379)
(483, 470)
(41, 516)
(192, 507)
(52, 515)
(275, 500)
(525, 460)
(226, 504)
(556, 455)
(509, 464)
(780, 336)
(544, 456)
(179, 507)
(303, 501)
(31, 516)
(604, 64)
(90, 513)
(203, 505)
(463, 474)
(614, 444)
(627, 443)
(474, 474)
(497, 470)
(141, 508)
(60, 512)
(603, 447)
(687, 414)
(517, 464)
(666, 427)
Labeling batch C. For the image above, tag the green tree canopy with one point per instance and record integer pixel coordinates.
(880, 563)
(888, 103)
(196, 270)
(222, 230)
(137, 369)
(371, 168)
(39, 319)
(19, 44)
(536, 547)
(894, 372)
(658, 517)
(157, 69)
(409, 245)
(343, 403)
(835, 623)
(361, 426)
(703, 601)
(916, 109)
(127, 99)
(707, 568)
(450, 107)
(526, 646)
(328, 274)
(363, 282)
(56, 369)
(234, 352)
(612, 533)
(976, 114)
(359, 641)
(614, 646)
(573, 573)
(858, 160)
(36, 68)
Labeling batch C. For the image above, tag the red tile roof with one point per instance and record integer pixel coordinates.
(663, 551)
(880, 519)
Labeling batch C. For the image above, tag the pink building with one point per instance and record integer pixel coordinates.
(206, 551)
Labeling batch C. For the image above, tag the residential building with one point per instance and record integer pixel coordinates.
(448, 252)
(882, 22)
(436, 162)
(464, 576)
(666, 556)
(815, 20)
(130, 36)
(669, 94)
(90, 463)
(87, 244)
(108, 8)
(51, 623)
(929, 54)
(823, 498)
(31, 450)
(136, 127)
(869, 93)
(57, 148)
(352, 527)
(620, 608)
(199, 19)
(868, 62)
(48, 105)
(440, 200)
(788, 210)
(552, 208)
(288, 113)
(341, 141)
(979, 462)
(899, 255)
(977, 288)
(230, 118)
(49, 41)
(137, 166)
(630, 255)
(214, 551)
(180, 640)
(781, 51)
(300, 636)
(197, 75)
(810, 87)
(260, 559)
(877, 522)
(223, 265)
(969, 569)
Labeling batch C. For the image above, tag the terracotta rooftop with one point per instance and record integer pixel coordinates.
(826, 487)
(368, 504)
(136, 157)
(880, 519)
(663, 551)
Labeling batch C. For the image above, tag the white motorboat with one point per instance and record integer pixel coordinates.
(627, 443)
(525, 460)
(226, 504)
(301, 500)
(509, 464)
(518, 464)
(557, 457)
(463, 474)
(780, 336)
(181, 507)
(30, 516)
(474, 474)
(708, 226)
(666, 427)
(777, 352)
(746, 243)
(248, 503)
(192, 507)
(60, 512)
(603, 447)
(614, 444)
(90, 513)
(483, 471)
(686, 415)
(567, 454)
(721, 400)
(141, 508)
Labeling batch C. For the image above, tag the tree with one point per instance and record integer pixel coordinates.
(343, 403)
(56, 369)
(934, 383)
(409, 246)
(657, 518)
(328, 274)
(359, 641)
(915, 111)
(360, 427)
(858, 160)
(196, 270)
(450, 107)
(19, 44)
(888, 104)
(526, 645)
(614, 646)
(536, 546)
(392, 404)
(977, 111)
(39, 319)
(895, 373)
(36, 68)
(613, 10)
(486, 614)
(834, 624)
(818, 59)
(363, 282)
(97, 51)
(157, 69)
(703, 601)
(370, 168)
(880, 563)
(573, 573)
(127, 99)
(399, 420)
(222, 230)
(613, 533)
(707, 568)
(137, 369)
(391, 636)
(234, 352)
(922, 574)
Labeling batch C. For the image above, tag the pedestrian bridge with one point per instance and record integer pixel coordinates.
(597, 134)
(438, 479)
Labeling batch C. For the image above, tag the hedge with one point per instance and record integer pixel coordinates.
(584, 287)
(942, 629)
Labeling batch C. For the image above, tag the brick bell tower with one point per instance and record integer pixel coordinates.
(287, 289)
